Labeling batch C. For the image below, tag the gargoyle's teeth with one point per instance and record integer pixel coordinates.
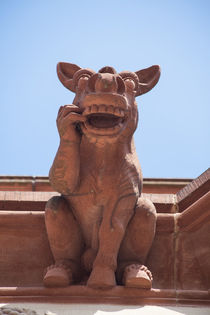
(110, 109)
(119, 112)
(87, 111)
(104, 109)
(94, 109)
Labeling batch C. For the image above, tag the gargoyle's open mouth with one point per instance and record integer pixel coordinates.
(104, 119)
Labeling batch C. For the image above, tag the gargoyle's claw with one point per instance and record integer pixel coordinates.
(57, 276)
(137, 276)
(101, 278)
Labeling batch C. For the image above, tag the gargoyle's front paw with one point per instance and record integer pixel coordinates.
(70, 116)
(101, 278)
(57, 276)
(137, 276)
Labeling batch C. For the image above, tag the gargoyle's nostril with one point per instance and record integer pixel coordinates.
(106, 82)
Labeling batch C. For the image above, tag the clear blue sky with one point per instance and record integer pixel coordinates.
(173, 136)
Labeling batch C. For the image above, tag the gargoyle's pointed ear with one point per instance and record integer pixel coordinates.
(65, 73)
(148, 78)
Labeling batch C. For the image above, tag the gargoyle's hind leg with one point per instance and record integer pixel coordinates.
(136, 245)
(65, 242)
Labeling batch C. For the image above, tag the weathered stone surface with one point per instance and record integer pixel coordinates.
(194, 190)
(41, 183)
(36, 200)
(162, 255)
(24, 248)
(179, 257)
(193, 246)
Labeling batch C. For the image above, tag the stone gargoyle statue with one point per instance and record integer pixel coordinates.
(100, 229)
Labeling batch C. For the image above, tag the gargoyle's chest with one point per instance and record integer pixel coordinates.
(108, 181)
(100, 183)
(98, 193)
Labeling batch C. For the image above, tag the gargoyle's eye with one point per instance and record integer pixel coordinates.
(81, 78)
(131, 81)
(82, 81)
(130, 84)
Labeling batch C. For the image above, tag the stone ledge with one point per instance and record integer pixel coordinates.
(195, 214)
(117, 295)
(35, 201)
(41, 183)
(193, 191)
(179, 257)
(14, 219)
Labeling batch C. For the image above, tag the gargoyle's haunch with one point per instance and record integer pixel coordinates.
(100, 229)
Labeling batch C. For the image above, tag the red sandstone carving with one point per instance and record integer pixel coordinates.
(100, 227)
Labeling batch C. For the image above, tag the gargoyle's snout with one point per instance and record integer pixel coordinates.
(106, 83)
